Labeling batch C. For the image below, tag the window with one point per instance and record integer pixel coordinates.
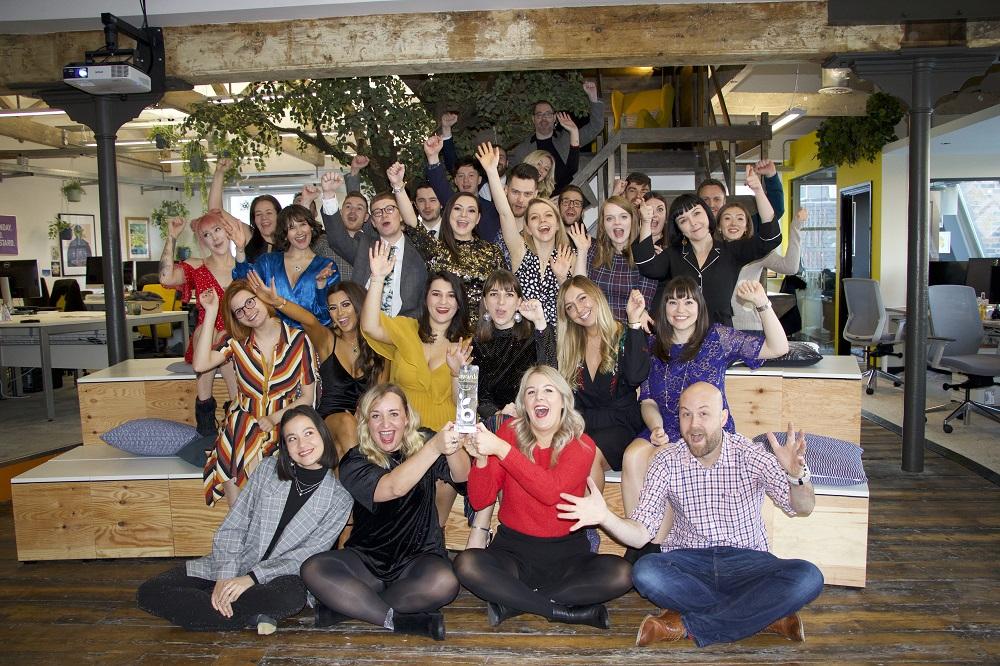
(968, 225)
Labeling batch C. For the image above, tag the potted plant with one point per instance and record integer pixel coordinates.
(58, 228)
(852, 139)
(164, 136)
(73, 190)
(195, 168)
(183, 252)
(166, 210)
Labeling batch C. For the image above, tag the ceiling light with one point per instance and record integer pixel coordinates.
(18, 113)
(836, 81)
(207, 159)
(127, 142)
(787, 118)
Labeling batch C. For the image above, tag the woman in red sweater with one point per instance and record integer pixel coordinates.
(535, 564)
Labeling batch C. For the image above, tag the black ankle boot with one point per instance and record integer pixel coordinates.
(632, 555)
(204, 416)
(419, 624)
(497, 613)
(326, 617)
(594, 616)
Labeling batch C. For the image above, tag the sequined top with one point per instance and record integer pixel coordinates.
(476, 260)
(504, 359)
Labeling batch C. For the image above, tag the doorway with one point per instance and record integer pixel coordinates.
(855, 247)
(817, 193)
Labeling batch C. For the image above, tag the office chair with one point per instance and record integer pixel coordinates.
(866, 328)
(958, 334)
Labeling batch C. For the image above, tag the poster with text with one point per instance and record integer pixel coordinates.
(8, 234)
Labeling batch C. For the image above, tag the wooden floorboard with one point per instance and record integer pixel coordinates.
(933, 596)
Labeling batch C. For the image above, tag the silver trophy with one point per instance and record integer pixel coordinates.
(468, 399)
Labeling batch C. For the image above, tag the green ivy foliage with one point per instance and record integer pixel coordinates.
(852, 139)
(166, 210)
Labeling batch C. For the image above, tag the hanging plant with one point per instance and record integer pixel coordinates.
(58, 227)
(195, 169)
(166, 210)
(852, 139)
(73, 190)
(165, 136)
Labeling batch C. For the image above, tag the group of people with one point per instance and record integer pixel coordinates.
(598, 349)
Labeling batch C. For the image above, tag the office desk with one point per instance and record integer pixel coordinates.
(69, 340)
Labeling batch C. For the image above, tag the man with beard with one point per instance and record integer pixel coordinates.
(572, 205)
(428, 208)
(715, 578)
(713, 192)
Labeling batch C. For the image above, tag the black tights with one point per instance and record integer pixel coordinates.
(494, 576)
(342, 582)
(187, 601)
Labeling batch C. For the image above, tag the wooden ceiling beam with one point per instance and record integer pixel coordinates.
(24, 129)
(815, 104)
(568, 37)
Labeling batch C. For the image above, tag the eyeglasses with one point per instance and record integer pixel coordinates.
(240, 312)
(544, 115)
(379, 212)
(570, 203)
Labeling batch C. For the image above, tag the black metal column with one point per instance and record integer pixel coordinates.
(917, 315)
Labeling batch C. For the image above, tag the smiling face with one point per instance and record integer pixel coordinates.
(713, 196)
(463, 217)
(733, 222)
(617, 225)
(682, 313)
(353, 212)
(694, 224)
(428, 205)
(520, 191)
(303, 442)
(387, 422)
(501, 303)
(571, 207)
(467, 179)
(544, 119)
(387, 219)
(544, 165)
(543, 404)
(248, 309)
(299, 233)
(442, 302)
(580, 307)
(213, 236)
(342, 311)
(265, 216)
(542, 222)
(702, 419)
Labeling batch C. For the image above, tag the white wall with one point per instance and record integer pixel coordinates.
(895, 193)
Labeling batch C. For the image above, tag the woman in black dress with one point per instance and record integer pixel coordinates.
(393, 571)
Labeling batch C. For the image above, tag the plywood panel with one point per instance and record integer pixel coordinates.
(194, 522)
(755, 403)
(106, 405)
(132, 518)
(172, 400)
(829, 407)
(53, 521)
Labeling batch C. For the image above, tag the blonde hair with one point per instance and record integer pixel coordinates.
(561, 238)
(547, 185)
(413, 441)
(604, 251)
(572, 337)
(570, 423)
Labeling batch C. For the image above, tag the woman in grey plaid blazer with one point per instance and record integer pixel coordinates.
(292, 508)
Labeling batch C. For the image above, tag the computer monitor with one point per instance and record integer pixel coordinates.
(143, 268)
(947, 272)
(22, 275)
(984, 276)
(95, 271)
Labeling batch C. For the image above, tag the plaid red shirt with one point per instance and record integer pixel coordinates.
(716, 506)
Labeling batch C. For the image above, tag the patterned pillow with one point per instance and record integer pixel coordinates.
(150, 437)
(832, 462)
(799, 354)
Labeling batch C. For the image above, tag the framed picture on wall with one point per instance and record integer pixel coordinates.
(137, 237)
(78, 242)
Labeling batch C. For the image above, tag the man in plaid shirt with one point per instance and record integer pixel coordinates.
(715, 576)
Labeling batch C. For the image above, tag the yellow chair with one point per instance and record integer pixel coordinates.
(170, 303)
(646, 108)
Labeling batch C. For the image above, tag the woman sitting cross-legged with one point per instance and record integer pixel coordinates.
(535, 564)
(393, 571)
(292, 507)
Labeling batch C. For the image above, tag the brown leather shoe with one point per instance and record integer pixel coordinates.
(789, 627)
(666, 626)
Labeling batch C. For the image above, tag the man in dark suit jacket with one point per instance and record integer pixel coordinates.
(405, 293)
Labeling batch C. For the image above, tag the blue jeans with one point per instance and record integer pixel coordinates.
(724, 594)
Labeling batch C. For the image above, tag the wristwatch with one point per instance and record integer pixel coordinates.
(762, 308)
(802, 479)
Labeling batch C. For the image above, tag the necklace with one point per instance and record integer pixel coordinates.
(303, 489)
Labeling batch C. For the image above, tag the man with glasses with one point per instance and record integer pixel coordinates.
(549, 137)
(572, 204)
(404, 287)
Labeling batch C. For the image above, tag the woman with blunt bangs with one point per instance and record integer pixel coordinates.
(274, 372)
(604, 362)
(292, 508)
(536, 564)
(688, 348)
(393, 571)
(693, 250)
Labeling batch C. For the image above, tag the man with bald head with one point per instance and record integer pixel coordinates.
(714, 578)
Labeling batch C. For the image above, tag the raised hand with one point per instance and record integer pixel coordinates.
(175, 226)
(752, 179)
(752, 291)
(238, 232)
(636, 306)
(488, 156)
(792, 455)
(396, 174)
(561, 262)
(488, 444)
(222, 166)
(566, 121)
(618, 189)
(765, 168)
(457, 355)
(309, 194)
(801, 217)
(581, 239)
(265, 293)
(325, 274)
(209, 301)
(448, 120)
(379, 261)
(590, 88)
(446, 440)
(432, 147)
(645, 210)
(658, 437)
(330, 182)
(532, 310)
(358, 162)
(586, 511)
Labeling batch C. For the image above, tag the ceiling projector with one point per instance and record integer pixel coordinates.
(120, 79)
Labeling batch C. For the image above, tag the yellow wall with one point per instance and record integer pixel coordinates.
(802, 160)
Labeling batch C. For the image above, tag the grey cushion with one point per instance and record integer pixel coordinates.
(150, 437)
(799, 354)
(832, 462)
(987, 365)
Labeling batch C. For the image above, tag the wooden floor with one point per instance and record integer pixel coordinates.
(933, 596)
